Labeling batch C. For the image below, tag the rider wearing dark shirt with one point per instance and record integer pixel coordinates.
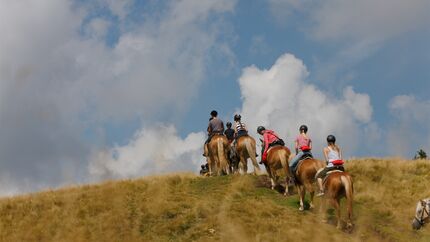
(229, 133)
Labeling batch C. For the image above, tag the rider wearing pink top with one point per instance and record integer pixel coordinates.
(303, 141)
(303, 145)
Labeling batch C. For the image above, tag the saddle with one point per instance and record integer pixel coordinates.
(334, 169)
(306, 155)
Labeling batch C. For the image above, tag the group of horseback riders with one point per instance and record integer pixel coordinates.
(303, 145)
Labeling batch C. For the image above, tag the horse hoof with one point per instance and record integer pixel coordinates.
(301, 209)
(339, 227)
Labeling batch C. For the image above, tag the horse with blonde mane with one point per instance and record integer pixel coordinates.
(277, 159)
(339, 184)
(217, 155)
(245, 148)
(305, 177)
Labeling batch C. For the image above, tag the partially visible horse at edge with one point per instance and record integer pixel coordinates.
(422, 214)
(217, 155)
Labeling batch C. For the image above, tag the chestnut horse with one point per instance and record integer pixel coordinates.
(339, 184)
(305, 177)
(217, 155)
(245, 148)
(277, 158)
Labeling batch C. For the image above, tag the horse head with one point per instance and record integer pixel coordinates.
(422, 214)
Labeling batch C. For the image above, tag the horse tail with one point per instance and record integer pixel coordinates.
(251, 153)
(221, 156)
(347, 184)
(284, 162)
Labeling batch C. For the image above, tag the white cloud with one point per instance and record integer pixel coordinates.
(152, 150)
(280, 99)
(57, 85)
(119, 7)
(97, 28)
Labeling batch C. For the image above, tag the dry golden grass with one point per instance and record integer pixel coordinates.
(185, 207)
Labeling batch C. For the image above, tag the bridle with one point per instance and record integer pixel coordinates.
(425, 211)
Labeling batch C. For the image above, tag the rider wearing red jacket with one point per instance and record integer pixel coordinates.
(270, 138)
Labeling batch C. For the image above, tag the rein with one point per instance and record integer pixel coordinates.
(425, 210)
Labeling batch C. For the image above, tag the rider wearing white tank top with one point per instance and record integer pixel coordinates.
(332, 156)
(332, 153)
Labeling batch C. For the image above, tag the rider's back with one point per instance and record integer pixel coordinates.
(216, 126)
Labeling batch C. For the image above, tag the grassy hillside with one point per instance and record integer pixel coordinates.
(231, 208)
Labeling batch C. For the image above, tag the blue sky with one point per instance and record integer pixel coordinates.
(91, 89)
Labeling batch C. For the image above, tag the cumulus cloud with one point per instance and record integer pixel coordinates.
(153, 150)
(60, 82)
(281, 99)
(410, 128)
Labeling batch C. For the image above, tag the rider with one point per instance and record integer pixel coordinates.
(239, 127)
(303, 145)
(215, 126)
(333, 157)
(229, 133)
(270, 138)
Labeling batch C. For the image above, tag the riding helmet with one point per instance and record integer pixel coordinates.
(214, 113)
(303, 128)
(260, 129)
(331, 139)
(237, 117)
(228, 124)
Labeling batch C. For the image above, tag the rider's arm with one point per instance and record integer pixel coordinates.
(296, 146)
(310, 144)
(209, 128)
(266, 142)
(325, 151)
(340, 153)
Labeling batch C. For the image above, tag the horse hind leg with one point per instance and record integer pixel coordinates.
(336, 205)
(311, 191)
(323, 210)
(302, 193)
(272, 178)
(245, 165)
(241, 168)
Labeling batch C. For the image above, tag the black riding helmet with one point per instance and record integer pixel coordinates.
(214, 113)
(228, 124)
(331, 139)
(260, 129)
(303, 128)
(237, 117)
